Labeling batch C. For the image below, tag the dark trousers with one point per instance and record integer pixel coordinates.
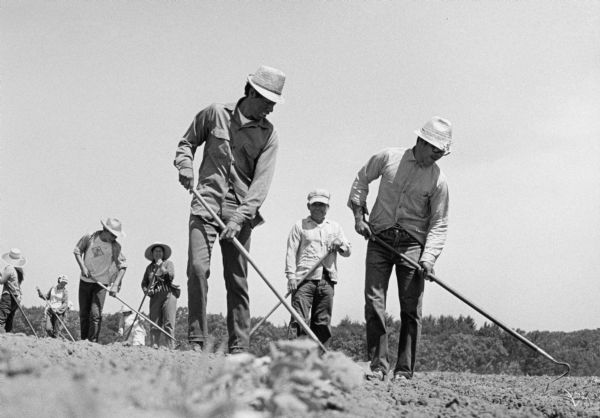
(313, 300)
(8, 307)
(235, 270)
(163, 307)
(379, 265)
(91, 302)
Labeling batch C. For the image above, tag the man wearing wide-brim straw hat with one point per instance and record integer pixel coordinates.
(238, 162)
(410, 214)
(100, 260)
(11, 277)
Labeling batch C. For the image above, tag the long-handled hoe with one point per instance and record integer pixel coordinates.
(248, 257)
(518, 336)
(57, 317)
(308, 273)
(126, 335)
(155, 325)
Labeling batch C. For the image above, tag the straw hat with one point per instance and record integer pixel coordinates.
(15, 258)
(114, 226)
(319, 195)
(268, 82)
(165, 247)
(438, 132)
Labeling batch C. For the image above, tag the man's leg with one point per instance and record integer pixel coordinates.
(201, 238)
(320, 321)
(235, 270)
(302, 300)
(5, 307)
(378, 270)
(410, 292)
(49, 325)
(98, 297)
(85, 305)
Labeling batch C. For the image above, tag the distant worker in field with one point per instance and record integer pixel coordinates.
(57, 304)
(309, 240)
(100, 260)
(238, 162)
(133, 325)
(11, 277)
(410, 214)
(158, 285)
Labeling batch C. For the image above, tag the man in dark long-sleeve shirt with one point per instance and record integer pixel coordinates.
(238, 162)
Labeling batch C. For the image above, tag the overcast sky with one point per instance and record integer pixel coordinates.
(95, 96)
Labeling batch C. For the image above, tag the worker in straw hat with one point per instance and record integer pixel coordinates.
(58, 304)
(238, 161)
(100, 260)
(411, 215)
(157, 283)
(11, 277)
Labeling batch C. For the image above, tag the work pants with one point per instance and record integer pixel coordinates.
(8, 307)
(163, 307)
(91, 302)
(379, 264)
(313, 300)
(235, 270)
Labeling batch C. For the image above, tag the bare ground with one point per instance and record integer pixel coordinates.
(46, 377)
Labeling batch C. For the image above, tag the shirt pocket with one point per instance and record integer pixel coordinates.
(219, 145)
(419, 201)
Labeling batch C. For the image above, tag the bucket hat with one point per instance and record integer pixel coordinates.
(268, 82)
(15, 258)
(438, 132)
(166, 251)
(319, 195)
(114, 226)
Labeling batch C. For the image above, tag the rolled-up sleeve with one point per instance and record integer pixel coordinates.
(438, 223)
(194, 137)
(261, 182)
(82, 245)
(369, 172)
(291, 254)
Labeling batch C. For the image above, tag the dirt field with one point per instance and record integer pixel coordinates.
(57, 378)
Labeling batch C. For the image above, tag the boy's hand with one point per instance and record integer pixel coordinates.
(293, 284)
(336, 246)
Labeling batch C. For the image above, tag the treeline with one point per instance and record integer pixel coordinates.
(447, 343)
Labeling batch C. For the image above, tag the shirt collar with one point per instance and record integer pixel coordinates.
(309, 219)
(232, 109)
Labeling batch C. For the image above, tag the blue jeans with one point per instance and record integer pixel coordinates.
(8, 307)
(235, 271)
(313, 300)
(379, 264)
(91, 302)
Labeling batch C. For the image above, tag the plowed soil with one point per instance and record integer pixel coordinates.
(47, 377)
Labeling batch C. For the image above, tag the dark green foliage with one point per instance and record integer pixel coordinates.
(447, 343)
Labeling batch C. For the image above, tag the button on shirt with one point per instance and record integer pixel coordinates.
(238, 157)
(410, 195)
(307, 242)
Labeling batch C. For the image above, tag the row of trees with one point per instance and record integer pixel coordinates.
(447, 343)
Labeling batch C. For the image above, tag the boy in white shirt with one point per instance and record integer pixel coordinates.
(309, 240)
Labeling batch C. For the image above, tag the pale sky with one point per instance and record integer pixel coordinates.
(95, 96)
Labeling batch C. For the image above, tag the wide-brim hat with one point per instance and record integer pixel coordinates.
(438, 132)
(114, 226)
(319, 195)
(268, 82)
(165, 247)
(15, 258)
